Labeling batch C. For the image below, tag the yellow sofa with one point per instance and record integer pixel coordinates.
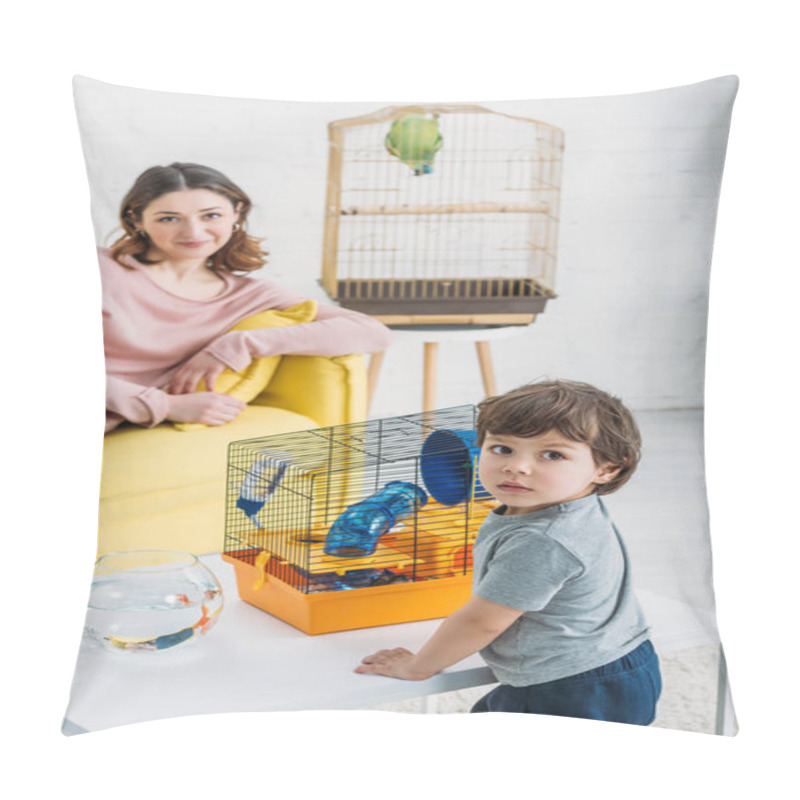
(164, 488)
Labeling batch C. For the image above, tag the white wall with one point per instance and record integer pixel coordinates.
(640, 186)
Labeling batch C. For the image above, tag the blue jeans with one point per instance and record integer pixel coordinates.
(625, 690)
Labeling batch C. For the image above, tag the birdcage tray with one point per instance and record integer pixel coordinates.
(443, 297)
(329, 612)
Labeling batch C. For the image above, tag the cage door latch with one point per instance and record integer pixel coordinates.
(261, 568)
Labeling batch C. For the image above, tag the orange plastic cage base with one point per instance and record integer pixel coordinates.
(328, 612)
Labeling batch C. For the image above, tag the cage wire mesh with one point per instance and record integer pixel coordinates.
(479, 229)
(393, 500)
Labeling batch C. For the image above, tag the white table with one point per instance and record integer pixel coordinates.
(250, 661)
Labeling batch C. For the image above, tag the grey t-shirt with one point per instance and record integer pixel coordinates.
(567, 568)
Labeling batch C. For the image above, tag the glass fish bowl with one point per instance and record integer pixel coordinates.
(145, 601)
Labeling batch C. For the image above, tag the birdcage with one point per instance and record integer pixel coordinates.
(357, 525)
(441, 214)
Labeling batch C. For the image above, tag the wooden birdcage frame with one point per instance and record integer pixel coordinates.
(473, 242)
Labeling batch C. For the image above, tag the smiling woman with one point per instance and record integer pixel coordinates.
(236, 251)
(193, 223)
(173, 293)
(184, 230)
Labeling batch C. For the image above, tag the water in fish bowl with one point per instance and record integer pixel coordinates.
(150, 601)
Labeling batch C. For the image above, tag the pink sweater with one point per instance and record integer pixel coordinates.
(148, 332)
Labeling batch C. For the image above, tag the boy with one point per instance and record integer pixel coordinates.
(552, 610)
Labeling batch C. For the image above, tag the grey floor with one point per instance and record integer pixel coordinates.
(663, 517)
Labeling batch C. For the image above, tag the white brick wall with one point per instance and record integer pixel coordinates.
(641, 176)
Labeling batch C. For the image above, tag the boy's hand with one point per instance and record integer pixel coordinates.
(397, 663)
(466, 631)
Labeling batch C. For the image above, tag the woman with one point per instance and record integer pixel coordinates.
(172, 290)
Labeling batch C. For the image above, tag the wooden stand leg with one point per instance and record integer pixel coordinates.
(429, 376)
(487, 369)
(374, 369)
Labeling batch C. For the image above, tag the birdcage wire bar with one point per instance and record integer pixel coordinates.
(489, 210)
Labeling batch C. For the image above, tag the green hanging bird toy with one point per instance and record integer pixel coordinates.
(415, 139)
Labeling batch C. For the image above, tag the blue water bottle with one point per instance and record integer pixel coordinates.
(358, 528)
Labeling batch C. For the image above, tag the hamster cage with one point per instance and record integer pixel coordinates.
(442, 214)
(357, 525)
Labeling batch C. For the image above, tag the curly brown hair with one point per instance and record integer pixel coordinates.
(241, 253)
(578, 411)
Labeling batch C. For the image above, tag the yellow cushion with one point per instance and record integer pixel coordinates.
(248, 383)
(330, 391)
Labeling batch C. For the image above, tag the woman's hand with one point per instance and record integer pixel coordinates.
(201, 367)
(397, 663)
(208, 408)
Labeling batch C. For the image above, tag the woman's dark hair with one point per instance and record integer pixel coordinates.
(579, 411)
(241, 253)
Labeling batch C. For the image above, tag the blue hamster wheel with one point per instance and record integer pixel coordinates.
(447, 463)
